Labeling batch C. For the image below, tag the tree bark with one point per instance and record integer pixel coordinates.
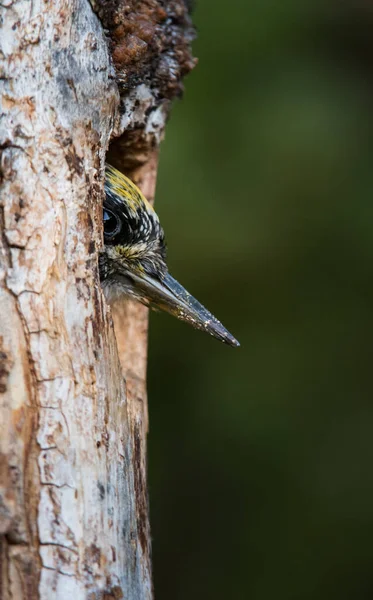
(73, 499)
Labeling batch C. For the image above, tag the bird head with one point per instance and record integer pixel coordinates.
(133, 261)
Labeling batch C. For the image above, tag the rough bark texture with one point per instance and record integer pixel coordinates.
(73, 499)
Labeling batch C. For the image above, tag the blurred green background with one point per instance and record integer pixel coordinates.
(260, 458)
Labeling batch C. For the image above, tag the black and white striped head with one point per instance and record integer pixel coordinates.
(133, 262)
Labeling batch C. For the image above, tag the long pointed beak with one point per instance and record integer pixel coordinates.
(167, 294)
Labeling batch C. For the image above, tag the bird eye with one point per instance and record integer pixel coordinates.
(112, 224)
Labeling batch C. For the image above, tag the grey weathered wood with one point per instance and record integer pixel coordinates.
(73, 499)
(69, 510)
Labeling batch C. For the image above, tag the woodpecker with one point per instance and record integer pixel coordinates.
(133, 261)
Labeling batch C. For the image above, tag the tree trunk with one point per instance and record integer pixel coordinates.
(73, 499)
